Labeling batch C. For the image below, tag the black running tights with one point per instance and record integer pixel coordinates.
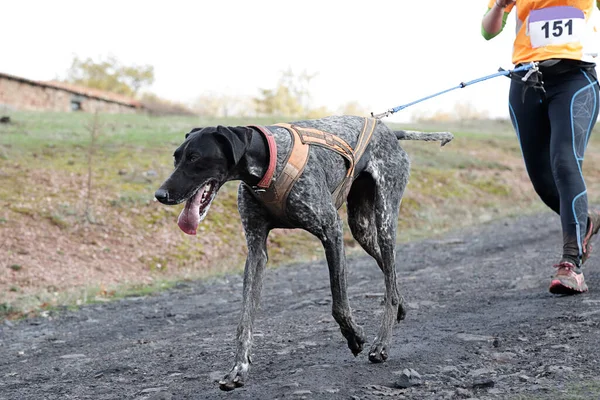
(553, 130)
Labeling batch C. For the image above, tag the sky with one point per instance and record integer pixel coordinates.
(380, 54)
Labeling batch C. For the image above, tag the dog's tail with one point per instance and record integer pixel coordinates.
(444, 137)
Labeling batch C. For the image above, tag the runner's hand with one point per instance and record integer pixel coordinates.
(504, 3)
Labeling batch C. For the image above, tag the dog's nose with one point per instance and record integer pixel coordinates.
(161, 195)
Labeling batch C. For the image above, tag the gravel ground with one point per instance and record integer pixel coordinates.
(481, 325)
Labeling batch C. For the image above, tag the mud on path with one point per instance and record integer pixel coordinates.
(481, 324)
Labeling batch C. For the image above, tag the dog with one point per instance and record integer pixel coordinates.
(259, 157)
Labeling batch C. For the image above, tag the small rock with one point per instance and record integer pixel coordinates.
(122, 172)
(467, 337)
(71, 356)
(503, 357)
(483, 383)
(5, 119)
(408, 378)
(479, 372)
(301, 392)
(152, 390)
(450, 370)
(495, 391)
(559, 369)
(496, 342)
(414, 373)
(151, 173)
(9, 324)
(385, 391)
(524, 378)
(463, 392)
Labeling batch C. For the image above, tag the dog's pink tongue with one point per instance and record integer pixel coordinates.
(190, 216)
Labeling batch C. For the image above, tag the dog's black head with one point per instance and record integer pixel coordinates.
(203, 163)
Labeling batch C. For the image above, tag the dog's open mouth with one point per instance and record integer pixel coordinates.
(196, 207)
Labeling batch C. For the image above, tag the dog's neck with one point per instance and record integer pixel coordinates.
(253, 165)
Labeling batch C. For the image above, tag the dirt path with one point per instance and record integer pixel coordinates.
(481, 324)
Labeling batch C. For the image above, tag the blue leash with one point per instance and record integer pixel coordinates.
(531, 68)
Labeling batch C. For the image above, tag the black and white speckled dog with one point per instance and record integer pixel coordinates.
(211, 156)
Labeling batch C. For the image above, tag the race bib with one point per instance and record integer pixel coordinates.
(556, 25)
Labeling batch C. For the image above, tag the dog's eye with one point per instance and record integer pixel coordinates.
(193, 157)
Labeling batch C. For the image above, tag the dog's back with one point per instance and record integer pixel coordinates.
(329, 165)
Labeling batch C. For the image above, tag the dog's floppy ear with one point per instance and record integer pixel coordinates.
(235, 141)
(192, 131)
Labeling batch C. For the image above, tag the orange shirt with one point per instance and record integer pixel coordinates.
(553, 29)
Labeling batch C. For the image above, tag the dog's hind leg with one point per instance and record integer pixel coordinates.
(372, 217)
(256, 227)
(361, 215)
(331, 236)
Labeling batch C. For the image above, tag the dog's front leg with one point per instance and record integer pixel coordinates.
(256, 227)
(333, 243)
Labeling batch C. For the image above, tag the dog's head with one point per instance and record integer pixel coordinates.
(203, 163)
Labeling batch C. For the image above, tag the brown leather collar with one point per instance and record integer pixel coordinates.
(265, 182)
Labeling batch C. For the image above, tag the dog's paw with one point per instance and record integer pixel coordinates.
(357, 341)
(234, 379)
(378, 353)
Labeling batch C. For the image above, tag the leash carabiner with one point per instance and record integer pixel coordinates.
(534, 69)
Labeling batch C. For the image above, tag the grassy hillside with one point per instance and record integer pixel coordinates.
(78, 221)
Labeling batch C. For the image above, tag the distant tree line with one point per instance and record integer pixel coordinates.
(110, 75)
(291, 97)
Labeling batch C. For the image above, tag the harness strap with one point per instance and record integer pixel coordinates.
(341, 192)
(310, 136)
(265, 182)
(364, 138)
(275, 197)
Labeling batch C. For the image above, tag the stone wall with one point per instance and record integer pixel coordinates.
(22, 95)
